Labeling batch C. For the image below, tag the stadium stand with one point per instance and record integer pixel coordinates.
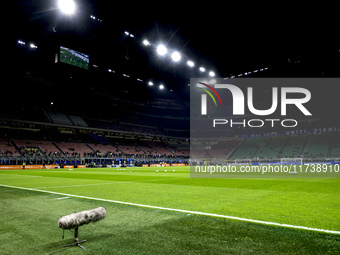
(309, 147)
(43, 147)
(318, 146)
(223, 148)
(74, 149)
(130, 150)
(59, 118)
(248, 148)
(6, 147)
(77, 121)
(270, 147)
(293, 147)
(335, 147)
(103, 150)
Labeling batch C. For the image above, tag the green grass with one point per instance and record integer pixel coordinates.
(28, 222)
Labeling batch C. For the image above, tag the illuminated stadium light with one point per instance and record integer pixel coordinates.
(146, 42)
(190, 63)
(211, 74)
(132, 36)
(33, 46)
(67, 6)
(21, 42)
(161, 50)
(150, 83)
(127, 33)
(202, 69)
(175, 56)
(161, 87)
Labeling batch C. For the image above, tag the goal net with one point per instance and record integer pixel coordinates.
(229, 162)
(242, 162)
(292, 161)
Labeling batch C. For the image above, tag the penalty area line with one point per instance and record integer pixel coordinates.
(180, 210)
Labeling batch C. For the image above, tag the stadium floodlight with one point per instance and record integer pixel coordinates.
(33, 46)
(190, 63)
(150, 83)
(202, 69)
(161, 87)
(211, 74)
(146, 42)
(161, 50)
(67, 6)
(175, 56)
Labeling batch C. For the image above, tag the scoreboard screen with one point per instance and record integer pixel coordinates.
(74, 58)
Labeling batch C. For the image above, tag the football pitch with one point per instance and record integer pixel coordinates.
(151, 212)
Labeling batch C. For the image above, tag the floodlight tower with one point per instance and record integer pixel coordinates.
(66, 7)
(161, 50)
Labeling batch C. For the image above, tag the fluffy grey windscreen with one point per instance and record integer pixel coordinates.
(80, 218)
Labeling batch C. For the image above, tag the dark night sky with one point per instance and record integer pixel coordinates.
(228, 39)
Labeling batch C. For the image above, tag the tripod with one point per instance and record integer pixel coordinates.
(76, 240)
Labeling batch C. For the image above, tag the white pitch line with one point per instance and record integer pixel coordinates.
(182, 211)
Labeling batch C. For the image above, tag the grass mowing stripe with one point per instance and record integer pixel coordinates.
(61, 198)
(79, 185)
(182, 211)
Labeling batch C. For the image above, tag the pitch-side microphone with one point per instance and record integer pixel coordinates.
(75, 220)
